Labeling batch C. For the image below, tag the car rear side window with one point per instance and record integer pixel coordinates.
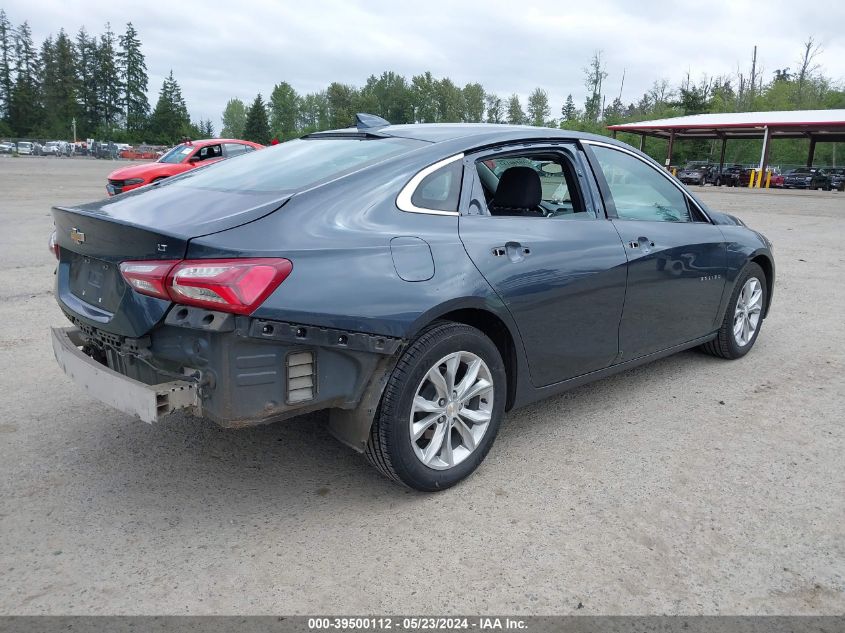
(236, 149)
(440, 190)
(639, 191)
(296, 164)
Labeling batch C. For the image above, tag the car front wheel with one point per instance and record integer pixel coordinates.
(744, 316)
(441, 408)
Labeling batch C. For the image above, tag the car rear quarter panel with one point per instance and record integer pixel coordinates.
(338, 237)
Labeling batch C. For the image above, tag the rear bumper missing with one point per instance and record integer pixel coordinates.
(148, 402)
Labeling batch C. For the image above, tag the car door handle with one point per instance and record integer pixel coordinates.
(515, 251)
(643, 243)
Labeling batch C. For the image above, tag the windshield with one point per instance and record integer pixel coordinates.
(296, 164)
(177, 154)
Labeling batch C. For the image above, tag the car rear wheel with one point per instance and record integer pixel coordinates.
(744, 316)
(441, 409)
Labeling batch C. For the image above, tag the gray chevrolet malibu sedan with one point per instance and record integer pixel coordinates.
(418, 281)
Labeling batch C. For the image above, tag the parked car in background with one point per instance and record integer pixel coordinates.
(694, 175)
(178, 160)
(142, 152)
(415, 280)
(776, 180)
(53, 148)
(837, 178)
(25, 148)
(807, 178)
(731, 176)
(7, 147)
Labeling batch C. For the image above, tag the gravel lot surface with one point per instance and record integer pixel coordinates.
(688, 486)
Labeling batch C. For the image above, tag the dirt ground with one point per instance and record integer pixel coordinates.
(689, 486)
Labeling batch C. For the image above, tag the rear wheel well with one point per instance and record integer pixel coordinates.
(763, 262)
(496, 330)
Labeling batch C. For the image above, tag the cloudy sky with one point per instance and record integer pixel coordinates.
(221, 50)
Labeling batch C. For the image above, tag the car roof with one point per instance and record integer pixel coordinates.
(476, 133)
(214, 141)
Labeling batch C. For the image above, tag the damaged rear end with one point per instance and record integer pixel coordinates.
(160, 325)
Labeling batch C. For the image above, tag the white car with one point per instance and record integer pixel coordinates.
(52, 148)
(25, 148)
(7, 147)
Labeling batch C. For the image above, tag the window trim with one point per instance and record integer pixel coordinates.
(403, 200)
(599, 175)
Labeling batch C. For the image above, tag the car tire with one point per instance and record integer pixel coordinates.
(411, 399)
(718, 182)
(701, 182)
(727, 343)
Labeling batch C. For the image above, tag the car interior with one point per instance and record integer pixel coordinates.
(210, 151)
(534, 185)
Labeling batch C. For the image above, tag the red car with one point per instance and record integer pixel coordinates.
(178, 160)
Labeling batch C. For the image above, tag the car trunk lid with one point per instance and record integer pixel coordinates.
(95, 238)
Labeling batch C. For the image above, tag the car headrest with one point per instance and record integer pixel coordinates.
(519, 187)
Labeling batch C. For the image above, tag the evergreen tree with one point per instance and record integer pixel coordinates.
(284, 111)
(7, 59)
(170, 121)
(473, 94)
(86, 75)
(516, 115)
(60, 85)
(25, 111)
(133, 76)
(538, 107)
(569, 112)
(107, 80)
(234, 119)
(257, 128)
(495, 109)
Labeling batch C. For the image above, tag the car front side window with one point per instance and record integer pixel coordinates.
(639, 191)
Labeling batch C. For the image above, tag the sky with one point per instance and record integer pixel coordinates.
(219, 50)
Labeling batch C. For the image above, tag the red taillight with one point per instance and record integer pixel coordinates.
(148, 278)
(228, 285)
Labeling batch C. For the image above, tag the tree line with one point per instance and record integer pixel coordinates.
(99, 82)
(425, 98)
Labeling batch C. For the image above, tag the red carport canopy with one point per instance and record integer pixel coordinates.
(815, 125)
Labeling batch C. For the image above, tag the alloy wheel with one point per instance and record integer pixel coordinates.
(749, 307)
(451, 411)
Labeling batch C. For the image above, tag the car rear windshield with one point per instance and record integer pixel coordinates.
(296, 164)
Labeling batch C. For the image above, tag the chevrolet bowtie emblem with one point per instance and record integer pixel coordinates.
(77, 236)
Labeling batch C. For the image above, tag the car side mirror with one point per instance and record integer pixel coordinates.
(194, 159)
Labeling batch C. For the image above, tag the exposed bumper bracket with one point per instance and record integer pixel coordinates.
(148, 402)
